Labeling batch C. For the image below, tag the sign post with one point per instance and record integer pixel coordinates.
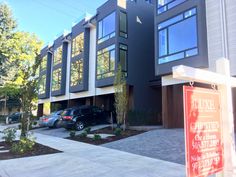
(224, 83)
(203, 131)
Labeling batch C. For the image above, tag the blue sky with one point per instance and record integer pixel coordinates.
(49, 18)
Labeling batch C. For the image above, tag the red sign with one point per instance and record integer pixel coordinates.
(203, 132)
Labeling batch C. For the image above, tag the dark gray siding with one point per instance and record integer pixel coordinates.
(103, 11)
(46, 52)
(76, 30)
(62, 65)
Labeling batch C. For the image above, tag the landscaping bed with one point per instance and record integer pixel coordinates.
(107, 130)
(38, 149)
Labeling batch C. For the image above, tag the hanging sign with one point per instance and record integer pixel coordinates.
(203, 131)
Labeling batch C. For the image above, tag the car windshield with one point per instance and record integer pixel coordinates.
(68, 112)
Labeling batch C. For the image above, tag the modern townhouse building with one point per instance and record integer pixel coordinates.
(80, 66)
(147, 38)
(194, 33)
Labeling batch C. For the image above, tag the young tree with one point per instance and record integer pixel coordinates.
(121, 97)
(26, 77)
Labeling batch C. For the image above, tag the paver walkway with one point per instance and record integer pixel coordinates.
(165, 144)
(84, 160)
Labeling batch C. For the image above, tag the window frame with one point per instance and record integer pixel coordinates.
(44, 60)
(43, 85)
(109, 71)
(79, 80)
(75, 53)
(167, 33)
(120, 31)
(166, 5)
(107, 36)
(58, 81)
(58, 58)
(126, 61)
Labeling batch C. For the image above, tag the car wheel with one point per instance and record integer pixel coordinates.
(56, 124)
(79, 125)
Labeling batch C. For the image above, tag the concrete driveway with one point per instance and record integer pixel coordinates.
(85, 160)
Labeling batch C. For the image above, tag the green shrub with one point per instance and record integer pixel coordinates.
(72, 134)
(117, 131)
(84, 134)
(88, 130)
(9, 135)
(35, 123)
(23, 146)
(97, 137)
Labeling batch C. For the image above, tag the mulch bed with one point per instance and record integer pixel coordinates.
(38, 149)
(107, 130)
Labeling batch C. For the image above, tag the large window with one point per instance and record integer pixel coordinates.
(56, 79)
(164, 5)
(42, 84)
(57, 56)
(178, 37)
(76, 77)
(123, 25)
(123, 57)
(106, 28)
(43, 64)
(106, 62)
(78, 45)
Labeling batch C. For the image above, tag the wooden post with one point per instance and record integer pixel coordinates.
(223, 67)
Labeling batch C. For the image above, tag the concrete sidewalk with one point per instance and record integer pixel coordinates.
(84, 160)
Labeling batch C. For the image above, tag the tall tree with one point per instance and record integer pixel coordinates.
(19, 62)
(7, 27)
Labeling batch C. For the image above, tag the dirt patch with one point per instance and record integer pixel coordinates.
(108, 130)
(38, 149)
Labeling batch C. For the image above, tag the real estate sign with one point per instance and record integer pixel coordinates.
(203, 131)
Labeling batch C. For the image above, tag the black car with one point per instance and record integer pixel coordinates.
(14, 117)
(79, 117)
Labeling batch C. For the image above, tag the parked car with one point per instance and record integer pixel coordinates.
(51, 121)
(13, 118)
(79, 117)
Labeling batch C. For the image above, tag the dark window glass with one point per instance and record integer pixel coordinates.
(106, 28)
(106, 62)
(164, 5)
(56, 79)
(178, 37)
(43, 64)
(57, 56)
(42, 84)
(78, 45)
(123, 25)
(68, 112)
(123, 57)
(183, 35)
(76, 76)
(163, 42)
